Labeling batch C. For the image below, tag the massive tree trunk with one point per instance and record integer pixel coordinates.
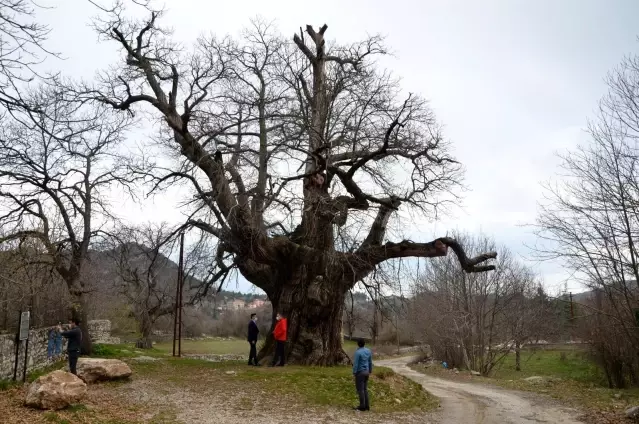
(314, 314)
(145, 332)
(79, 311)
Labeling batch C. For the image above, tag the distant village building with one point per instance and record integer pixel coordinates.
(256, 303)
(236, 304)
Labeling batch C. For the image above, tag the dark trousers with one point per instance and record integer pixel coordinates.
(361, 385)
(73, 361)
(279, 353)
(253, 353)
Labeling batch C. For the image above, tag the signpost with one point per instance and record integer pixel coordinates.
(23, 334)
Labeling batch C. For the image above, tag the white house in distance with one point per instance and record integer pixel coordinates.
(256, 303)
(236, 304)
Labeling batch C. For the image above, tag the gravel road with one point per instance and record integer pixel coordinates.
(481, 404)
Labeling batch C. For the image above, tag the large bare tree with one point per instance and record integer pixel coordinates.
(284, 144)
(57, 165)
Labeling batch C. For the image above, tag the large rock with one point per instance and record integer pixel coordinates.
(96, 369)
(55, 390)
(632, 412)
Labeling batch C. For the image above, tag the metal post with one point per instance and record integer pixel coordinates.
(15, 365)
(26, 356)
(175, 312)
(175, 317)
(181, 289)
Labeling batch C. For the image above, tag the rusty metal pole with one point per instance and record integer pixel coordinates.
(181, 289)
(175, 311)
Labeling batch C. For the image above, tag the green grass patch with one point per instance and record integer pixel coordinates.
(77, 413)
(334, 386)
(216, 346)
(7, 385)
(77, 408)
(350, 347)
(53, 417)
(124, 351)
(313, 386)
(566, 364)
(207, 346)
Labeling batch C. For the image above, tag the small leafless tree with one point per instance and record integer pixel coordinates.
(284, 142)
(591, 221)
(467, 318)
(56, 167)
(529, 315)
(141, 259)
(352, 315)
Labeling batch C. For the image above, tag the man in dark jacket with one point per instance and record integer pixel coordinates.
(74, 336)
(253, 332)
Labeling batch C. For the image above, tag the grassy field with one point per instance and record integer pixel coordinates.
(568, 375)
(208, 346)
(185, 390)
(217, 346)
(316, 386)
(566, 364)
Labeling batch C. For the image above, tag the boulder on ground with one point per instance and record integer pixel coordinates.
(55, 390)
(97, 369)
(632, 412)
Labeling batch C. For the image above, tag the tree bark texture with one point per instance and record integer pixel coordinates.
(79, 311)
(314, 318)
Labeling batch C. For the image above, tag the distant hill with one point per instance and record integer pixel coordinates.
(102, 272)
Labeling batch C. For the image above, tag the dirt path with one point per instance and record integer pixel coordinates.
(479, 404)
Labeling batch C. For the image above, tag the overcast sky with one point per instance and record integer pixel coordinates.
(513, 82)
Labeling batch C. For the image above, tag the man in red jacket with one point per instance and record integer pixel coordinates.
(279, 334)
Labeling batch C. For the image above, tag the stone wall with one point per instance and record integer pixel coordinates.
(100, 331)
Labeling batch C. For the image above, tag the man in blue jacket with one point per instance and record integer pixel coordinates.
(362, 369)
(253, 332)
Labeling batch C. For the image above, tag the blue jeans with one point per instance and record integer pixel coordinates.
(361, 385)
(50, 347)
(58, 345)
